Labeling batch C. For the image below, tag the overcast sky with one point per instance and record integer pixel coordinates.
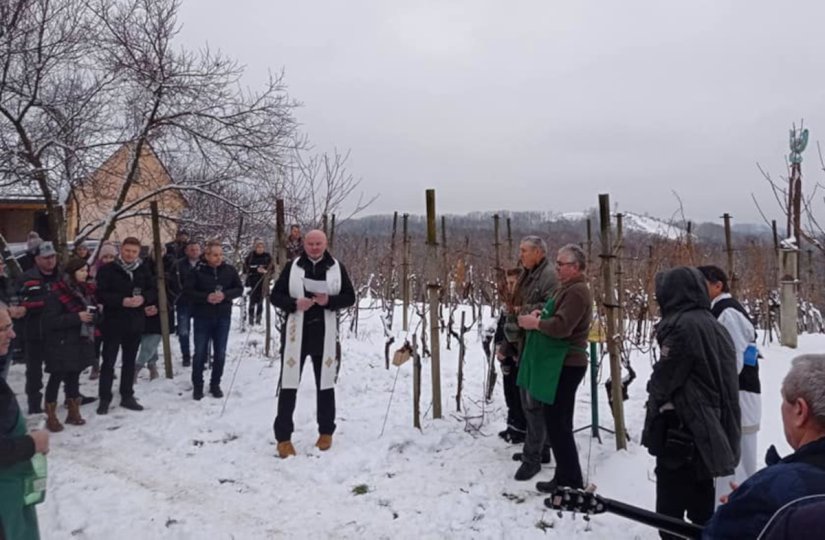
(542, 105)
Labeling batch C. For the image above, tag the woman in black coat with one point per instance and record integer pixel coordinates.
(69, 320)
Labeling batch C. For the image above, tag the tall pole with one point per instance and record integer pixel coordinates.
(432, 289)
(496, 243)
(163, 301)
(620, 273)
(509, 243)
(610, 303)
(729, 250)
(405, 273)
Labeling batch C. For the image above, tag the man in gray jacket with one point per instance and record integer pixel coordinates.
(536, 284)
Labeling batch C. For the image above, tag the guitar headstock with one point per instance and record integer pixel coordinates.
(576, 500)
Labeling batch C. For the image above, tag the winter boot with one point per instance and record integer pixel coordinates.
(74, 417)
(545, 456)
(285, 449)
(103, 406)
(153, 372)
(187, 360)
(215, 390)
(197, 393)
(131, 403)
(84, 400)
(324, 442)
(52, 423)
(527, 471)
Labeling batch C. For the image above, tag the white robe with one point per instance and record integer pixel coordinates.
(291, 361)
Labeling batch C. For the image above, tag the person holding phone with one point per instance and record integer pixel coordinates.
(69, 316)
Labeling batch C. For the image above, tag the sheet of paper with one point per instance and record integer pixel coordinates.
(315, 286)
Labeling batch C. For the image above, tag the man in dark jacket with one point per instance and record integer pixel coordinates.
(175, 251)
(211, 288)
(256, 265)
(797, 477)
(124, 287)
(34, 288)
(183, 305)
(310, 290)
(693, 418)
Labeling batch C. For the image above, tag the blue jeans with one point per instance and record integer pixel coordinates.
(148, 353)
(184, 312)
(216, 330)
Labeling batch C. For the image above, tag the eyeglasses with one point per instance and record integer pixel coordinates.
(559, 264)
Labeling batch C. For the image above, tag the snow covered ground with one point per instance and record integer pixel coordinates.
(181, 469)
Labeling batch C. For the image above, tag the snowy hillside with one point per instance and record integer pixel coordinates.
(181, 469)
(636, 223)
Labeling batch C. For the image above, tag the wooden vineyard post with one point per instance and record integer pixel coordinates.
(163, 301)
(416, 383)
(432, 289)
(610, 304)
(729, 250)
(405, 274)
(620, 275)
(509, 244)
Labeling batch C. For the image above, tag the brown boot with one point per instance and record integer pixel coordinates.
(324, 442)
(52, 423)
(285, 449)
(74, 417)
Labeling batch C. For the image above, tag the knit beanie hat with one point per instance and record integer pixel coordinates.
(33, 241)
(107, 249)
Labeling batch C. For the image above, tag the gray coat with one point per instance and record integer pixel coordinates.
(533, 289)
(696, 373)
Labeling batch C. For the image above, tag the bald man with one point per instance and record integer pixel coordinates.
(311, 290)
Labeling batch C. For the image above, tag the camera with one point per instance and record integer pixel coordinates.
(91, 309)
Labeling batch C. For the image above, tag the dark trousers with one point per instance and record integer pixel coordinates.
(256, 308)
(324, 403)
(216, 330)
(554, 423)
(128, 345)
(184, 313)
(512, 396)
(71, 385)
(680, 490)
(98, 352)
(35, 351)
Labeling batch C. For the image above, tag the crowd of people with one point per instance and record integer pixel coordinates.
(703, 408)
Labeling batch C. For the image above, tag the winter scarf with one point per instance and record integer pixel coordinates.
(128, 267)
(75, 298)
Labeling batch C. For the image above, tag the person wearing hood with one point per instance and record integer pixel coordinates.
(69, 318)
(105, 255)
(124, 287)
(211, 288)
(693, 417)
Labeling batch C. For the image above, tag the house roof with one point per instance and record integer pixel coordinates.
(20, 192)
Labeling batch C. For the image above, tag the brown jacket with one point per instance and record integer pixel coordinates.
(571, 320)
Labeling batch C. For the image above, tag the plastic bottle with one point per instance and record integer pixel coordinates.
(35, 486)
